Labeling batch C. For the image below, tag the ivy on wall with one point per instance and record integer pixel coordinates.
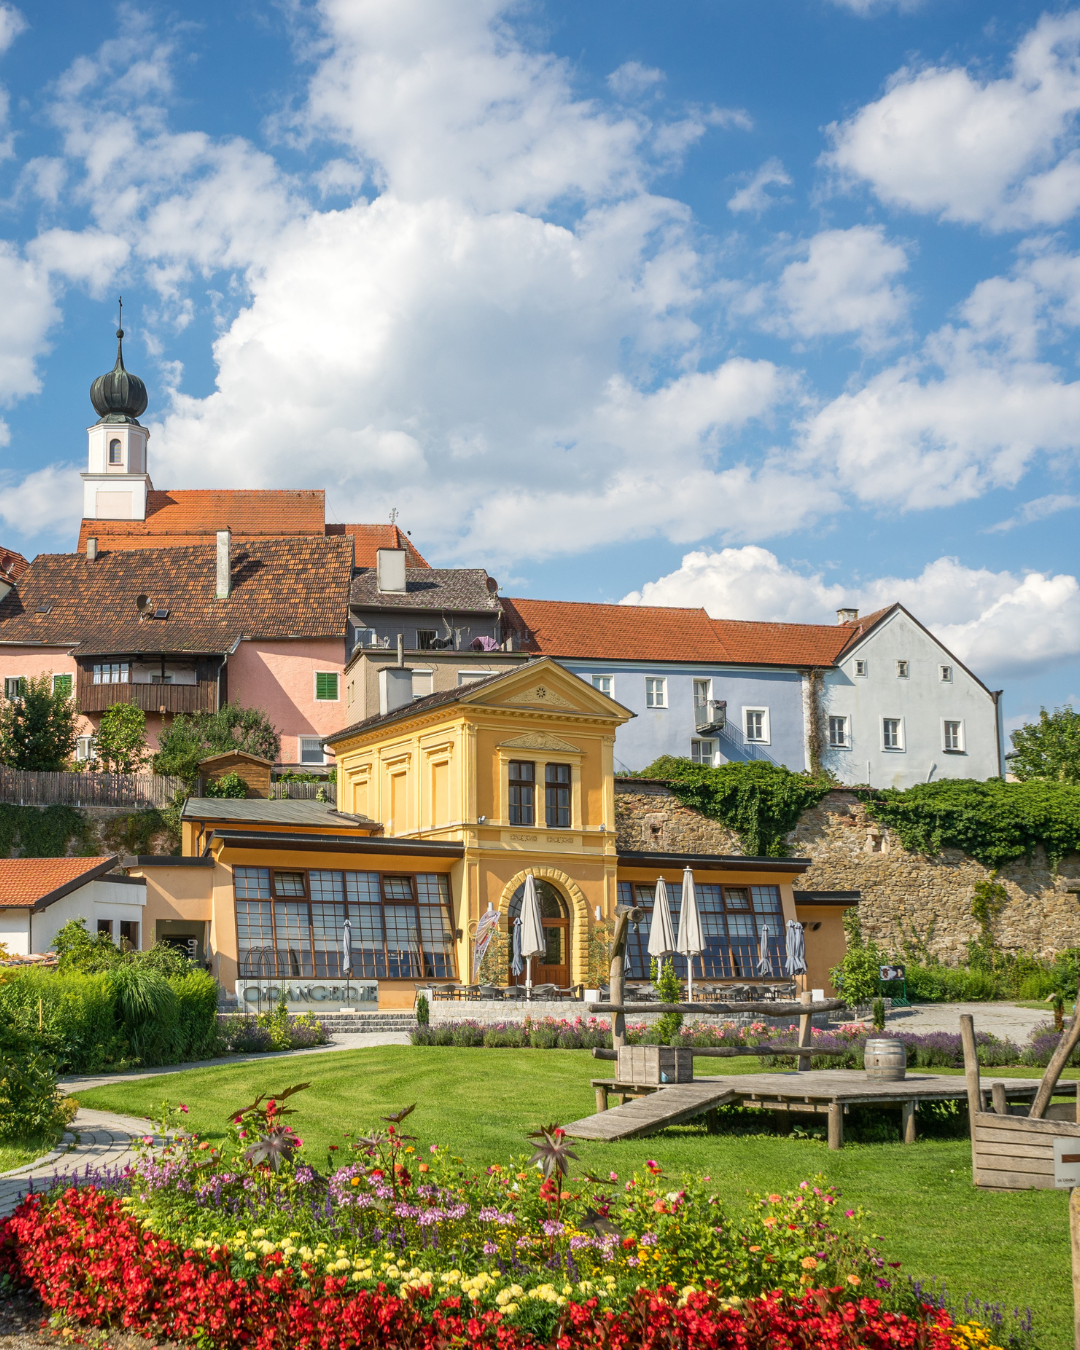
(42, 832)
(760, 801)
(994, 822)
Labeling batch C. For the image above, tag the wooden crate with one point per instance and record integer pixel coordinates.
(1013, 1153)
(655, 1065)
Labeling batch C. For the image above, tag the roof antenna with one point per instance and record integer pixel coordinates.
(393, 516)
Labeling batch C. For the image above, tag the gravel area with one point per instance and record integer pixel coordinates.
(1004, 1020)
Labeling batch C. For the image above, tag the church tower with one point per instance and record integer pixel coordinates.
(117, 482)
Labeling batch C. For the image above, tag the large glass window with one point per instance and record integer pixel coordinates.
(290, 925)
(557, 796)
(733, 923)
(111, 672)
(522, 792)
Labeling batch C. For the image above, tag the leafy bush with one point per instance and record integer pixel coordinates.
(668, 987)
(121, 738)
(1048, 749)
(31, 1105)
(229, 785)
(191, 737)
(38, 730)
(42, 832)
(857, 977)
(993, 821)
(423, 1011)
(760, 801)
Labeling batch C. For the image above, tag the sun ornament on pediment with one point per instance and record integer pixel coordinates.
(539, 740)
(541, 695)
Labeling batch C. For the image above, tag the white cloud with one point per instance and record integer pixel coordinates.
(1039, 509)
(12, 23)
(754, 196)
(632, 79)
(25, 318)
(867, 8)
(88, 256)
(48, 499)
(997, 623)
(843, 284)
(997, 152)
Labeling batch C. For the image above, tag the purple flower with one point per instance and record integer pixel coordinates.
(490, 1249)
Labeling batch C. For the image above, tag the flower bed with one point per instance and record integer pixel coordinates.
(935, 1049)
(250, 1244)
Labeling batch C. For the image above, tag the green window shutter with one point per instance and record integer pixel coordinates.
(62, 684)
(326, 684)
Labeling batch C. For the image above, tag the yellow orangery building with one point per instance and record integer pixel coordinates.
(445, 805)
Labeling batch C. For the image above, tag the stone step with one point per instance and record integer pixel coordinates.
(368, 1021)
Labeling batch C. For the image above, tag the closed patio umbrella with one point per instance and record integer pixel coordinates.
(795, 962)
(661, 931)
(346, 958)
(517, 965)
(532, 930)
(690, 942)
(764, 964)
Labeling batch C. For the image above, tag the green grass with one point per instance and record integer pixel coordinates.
(19, 1152)
(919, 1198)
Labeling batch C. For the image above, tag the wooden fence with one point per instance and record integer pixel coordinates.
(305, 792)
(27, 787)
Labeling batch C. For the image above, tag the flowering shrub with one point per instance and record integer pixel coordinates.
(98, 1265)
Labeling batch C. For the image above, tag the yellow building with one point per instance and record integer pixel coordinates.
(445, 805)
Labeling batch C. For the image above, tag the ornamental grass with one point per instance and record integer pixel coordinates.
(392, 1243)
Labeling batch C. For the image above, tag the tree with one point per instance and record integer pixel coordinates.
(194, 736)
(1049, 749)
(121, 738)
(38, 730)
(78, 949)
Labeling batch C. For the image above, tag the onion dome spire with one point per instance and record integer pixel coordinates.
(119, 396)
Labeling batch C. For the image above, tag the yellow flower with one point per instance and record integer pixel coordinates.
(249, 1256)
(809, 1263)
(853, 1279)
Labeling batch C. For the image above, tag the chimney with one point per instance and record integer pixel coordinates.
(401, 649)
(395, 688)
(91, 550)
(847, 615)
(390, 569)
(224, 564)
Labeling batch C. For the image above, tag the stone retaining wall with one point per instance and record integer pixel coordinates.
(491, 1011)
(903, 894)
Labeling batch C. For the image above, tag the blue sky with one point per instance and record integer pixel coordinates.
(768, 308)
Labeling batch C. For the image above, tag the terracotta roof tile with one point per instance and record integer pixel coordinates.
(456, 589)
(614, 632)
(194, 517)
(280, 588)
(25, 881)
(368, 539)
(749, 642)
(12, 564)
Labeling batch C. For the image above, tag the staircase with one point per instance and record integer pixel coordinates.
(368, 1021)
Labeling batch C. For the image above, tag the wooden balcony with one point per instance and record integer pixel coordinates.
(202, 696)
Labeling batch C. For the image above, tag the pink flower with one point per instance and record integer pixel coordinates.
(182, 1107)
(613, 1176)
(653, 1166)
(434, 1148)
(849, 1213)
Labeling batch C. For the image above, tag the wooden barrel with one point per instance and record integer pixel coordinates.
(885, 1060)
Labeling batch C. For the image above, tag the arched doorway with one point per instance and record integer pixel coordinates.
(553, 965)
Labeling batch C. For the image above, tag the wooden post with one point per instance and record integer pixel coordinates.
(712, 1121)
(601, 1098)
(997, 1091)
(1058, 1060)
(624, 916)
(1074, 1235)
(836, 1125)
(971, 1072)
(805, 1030)
(910, 1130)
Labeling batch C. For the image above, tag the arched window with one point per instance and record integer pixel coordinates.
(114, 453)
(552, 966)
(552, 905)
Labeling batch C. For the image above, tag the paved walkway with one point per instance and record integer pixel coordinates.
(343, 1040)
(96, 1139)
(1004, 1020)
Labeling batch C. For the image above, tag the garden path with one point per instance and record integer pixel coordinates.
(96, 1139)
(342, 1040)
(1004, 1020)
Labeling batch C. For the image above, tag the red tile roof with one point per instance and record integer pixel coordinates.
(656, 633)
(25, 881)
(614, 632)
(368, 539)
(12, 564)
(281, 588)
(195, 516)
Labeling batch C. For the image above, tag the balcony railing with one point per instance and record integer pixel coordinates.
(710, 716)
(168, 698)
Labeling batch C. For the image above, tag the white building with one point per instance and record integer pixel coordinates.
(39, 895)
(900, 709)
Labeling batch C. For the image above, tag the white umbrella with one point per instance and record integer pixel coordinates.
(661, 930)
(764, 964)
(532, 930)
(690, 943)
(346, 959)
(795, 962)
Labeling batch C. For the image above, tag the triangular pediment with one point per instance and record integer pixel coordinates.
(540, 740)
(545, 686)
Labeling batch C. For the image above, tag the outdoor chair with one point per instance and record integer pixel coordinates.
(446, 991)
(544, 990)
(490, 991)
(472, 992)
(513, 991)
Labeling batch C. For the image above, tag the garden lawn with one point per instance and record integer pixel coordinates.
(482, 1102)
(19, 1152)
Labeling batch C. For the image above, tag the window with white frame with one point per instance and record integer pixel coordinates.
(756, 725)
(838, 732)
(468, 676)
(945, 674)
(703, 751)
(311, 750)
(605, 683)
(14, 687)
(702, 694)
(860, 669)
(892, 733)
(116, 454)
(326, 686)
(85, 748)
(423, 683)
(952, 735)
(902, 670)
(656, 691)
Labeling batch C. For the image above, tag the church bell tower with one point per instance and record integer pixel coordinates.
(117, 481)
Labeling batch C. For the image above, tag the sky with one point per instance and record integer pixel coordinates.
(768, 308)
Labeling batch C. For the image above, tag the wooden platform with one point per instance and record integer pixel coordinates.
(826, 1092)
(653, 1110)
